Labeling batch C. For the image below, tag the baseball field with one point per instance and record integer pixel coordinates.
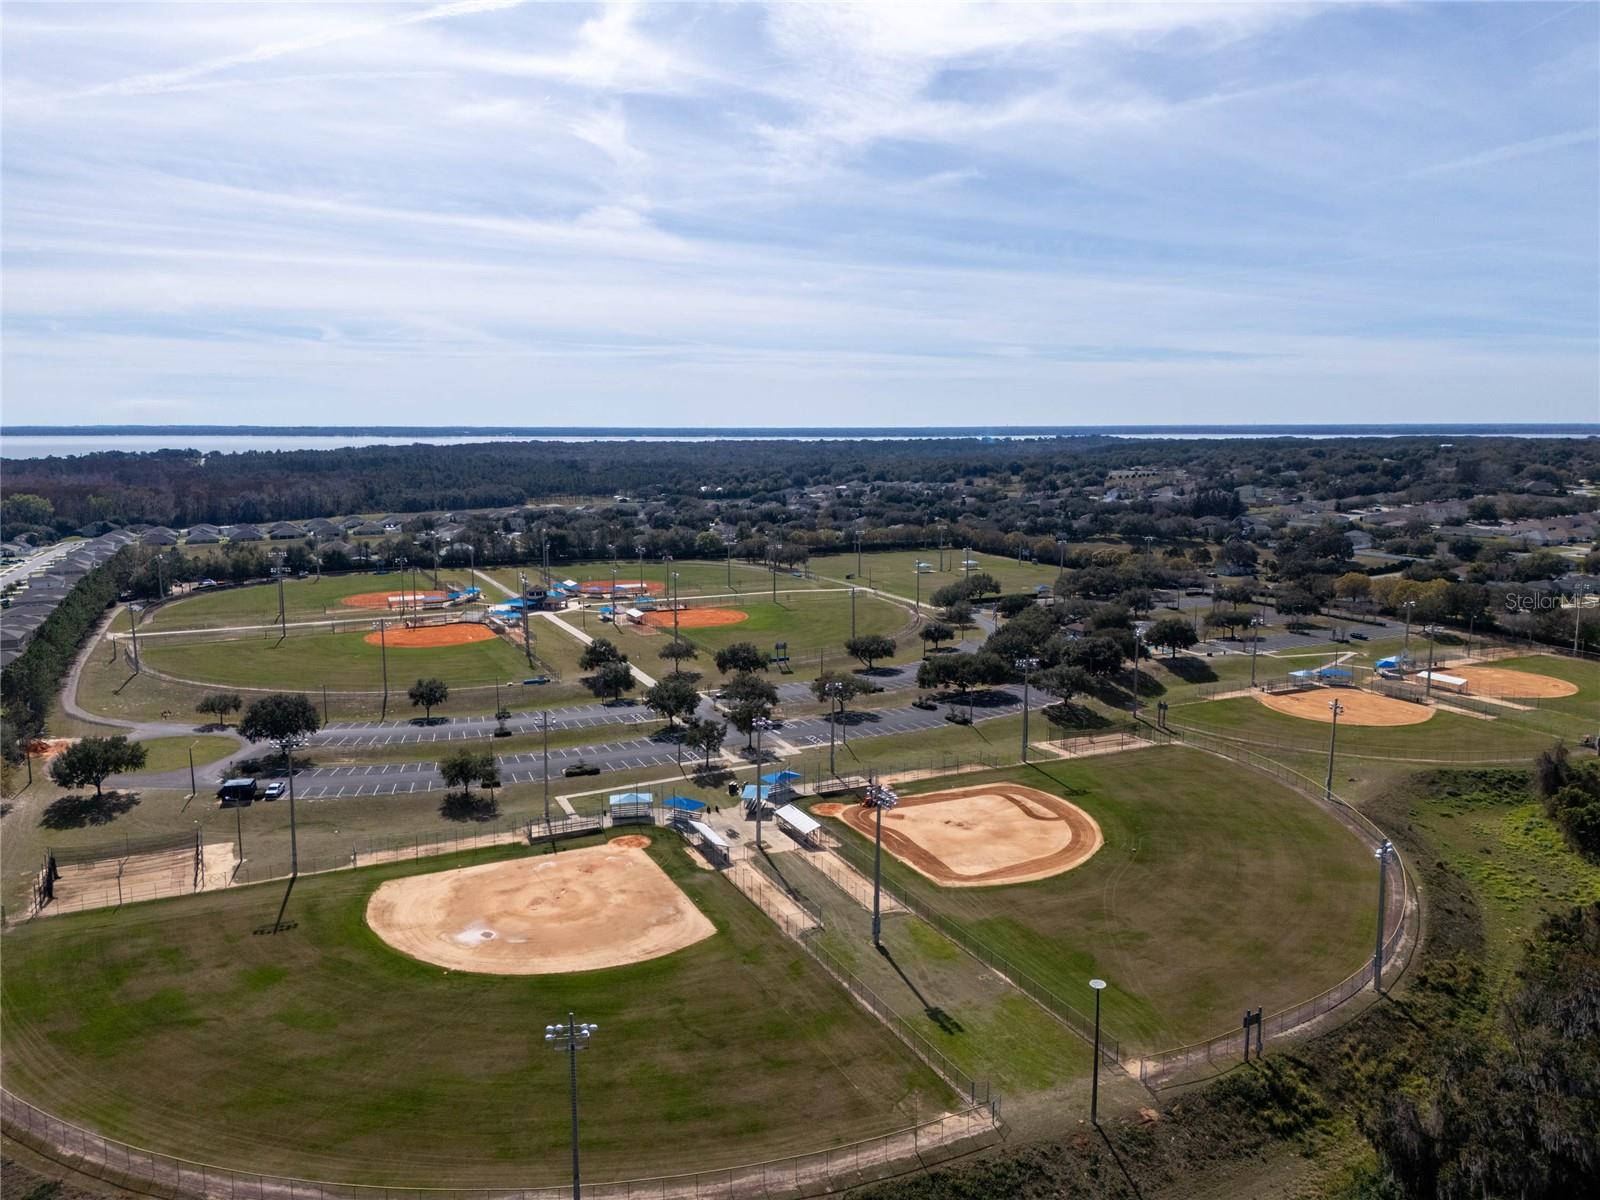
(323, 1051)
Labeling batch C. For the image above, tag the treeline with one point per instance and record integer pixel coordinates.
(29, 683)
(182, 487)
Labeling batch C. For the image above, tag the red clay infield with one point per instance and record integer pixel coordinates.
(459, 634)
(696, 618)
(381, 599)
(602, 587)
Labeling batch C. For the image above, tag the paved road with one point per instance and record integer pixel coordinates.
(35, 562)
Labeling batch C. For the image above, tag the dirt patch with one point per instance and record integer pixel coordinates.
(695, 618)
(1518, 685)
(984, 836)
(48, 748)
(580, 910)
(631, 841)
(1360, 708)
(401, 599)
(827, 809)
(458, 633)
(630, 587)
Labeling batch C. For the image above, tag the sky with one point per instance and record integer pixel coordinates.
(492, 212)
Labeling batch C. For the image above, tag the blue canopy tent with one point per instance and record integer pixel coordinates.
(782, 777)
(1393, 663)
(684, 804)
(755, 791)
(1334, 673)
(630, 808)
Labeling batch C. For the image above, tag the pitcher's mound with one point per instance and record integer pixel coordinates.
(982, 836)
(696, 618)
(459, 633)
(580, 910)
(1513, 684)
(1358, 708)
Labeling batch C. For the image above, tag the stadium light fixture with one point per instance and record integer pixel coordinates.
(1027, 666)
(570, 1038)
(1383, 853)
(1099, 985)
(1337, 710)
(881, 798)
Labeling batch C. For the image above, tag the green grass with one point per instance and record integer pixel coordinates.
(340, 661)
(172, 753)
(1444, 737)
(810, 622)
(1216, 889)
(894, 571)
(322, 1052)
(303, 599)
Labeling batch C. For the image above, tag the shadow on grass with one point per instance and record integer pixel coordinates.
(79, 812)
(465, 806)
(1190, 670)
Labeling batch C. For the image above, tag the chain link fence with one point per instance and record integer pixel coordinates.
(819, 1172)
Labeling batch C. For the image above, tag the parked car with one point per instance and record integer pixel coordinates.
(1360, 637)
(273, 791)
(580, 768)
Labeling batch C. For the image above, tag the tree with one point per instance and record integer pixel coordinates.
(678, 650)
(935, 632)
(950, 594)
(611, 681)
(285, 719)
(1064, 682)
(464, 767)
(1357, 585)
(741, 656)
(673, 697)
(705, 736)
(1098, 655)
(219, 705)
(1173, 634)
(747, 698)
(838, 688)
(981, 583)
(598, 653)
(425, 693)
(91, 759)
(870, 647)
(958, 614)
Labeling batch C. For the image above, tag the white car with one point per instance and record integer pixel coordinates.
(273, 791)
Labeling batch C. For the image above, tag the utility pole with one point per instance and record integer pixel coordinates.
(917, 569)
(1255, 639)
(193, 789)
(548, 831)
(1333, 737)
(1427, 679)
(1138, 643)
(761, 724)
(730, 566)
(1578, 593)
(383, 656)
(1027, 666)
(570, 1038)
(675, 605)
(852, 614)
(1382, 854)
(878, 798)
(283, 620)
(133, 632)
(522, 608)
(1405, 647)
(1099, 985)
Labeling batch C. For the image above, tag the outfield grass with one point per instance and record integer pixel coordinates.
(303, 599)
(810, 622)
(695, 577)
(322, 1052)
(1216, 889)
(894, 571)
(1444, 737)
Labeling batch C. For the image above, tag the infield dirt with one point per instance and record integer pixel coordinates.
(458, 633)
(579, 910)
(696, 618)
(1356, 708)
(1515, 685)
(985, 835)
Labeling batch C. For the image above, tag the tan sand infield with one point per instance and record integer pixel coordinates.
(696, 618)
(381, 599)
(1518, 685)
(1360, 708)
(985, 835)
(579, 910)
(458, 633)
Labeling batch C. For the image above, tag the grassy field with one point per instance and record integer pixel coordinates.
(303, 599)
(1444, 737)
(810, 623)
(322, 1052)
(695, 578)
(109, 688)
(172, 753)
(895, 571)
(1216, 888)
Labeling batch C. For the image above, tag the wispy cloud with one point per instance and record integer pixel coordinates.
(936, 212)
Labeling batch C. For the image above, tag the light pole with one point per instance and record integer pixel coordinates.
(193, 790)
(133, 632)
(549, 833)
(1578, 593)
(834, 692)
(569, 1039)
(1099, 985)
(1138, 645)
(1027, 666)
(879, 798)
(674, 606)
(1333, 737)
(522, 609)
(852, 614)
(858, 556)
(1427, 679)
(917, 569)
(383, 659)
(1405, 646)
(760, 724)
(1382, 854)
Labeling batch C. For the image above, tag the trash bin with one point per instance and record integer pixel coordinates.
(733, 789)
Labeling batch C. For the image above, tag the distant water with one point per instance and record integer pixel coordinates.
(59, 443)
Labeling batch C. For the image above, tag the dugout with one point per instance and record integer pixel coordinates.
(800, 825)
(631, 808)
(712, 844)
